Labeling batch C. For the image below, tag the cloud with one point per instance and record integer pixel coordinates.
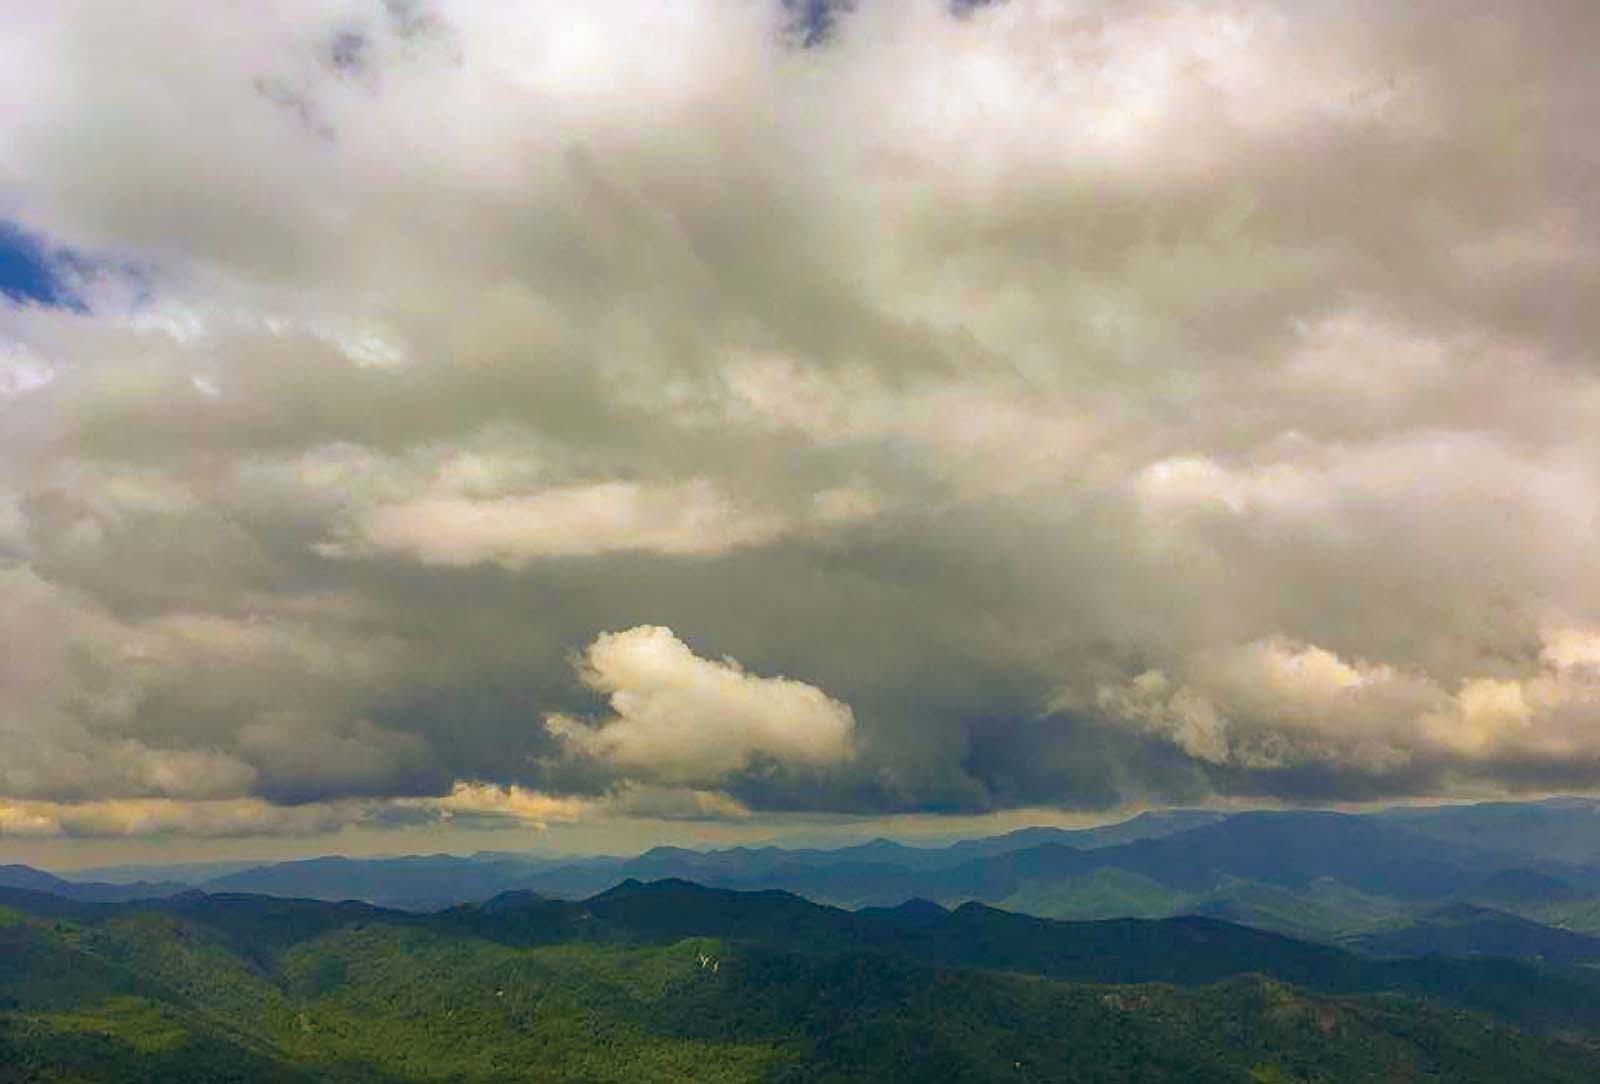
(1274, 705)
(514, 803)
(1109, 403)
(492, 804)
(211, 819)
(478, 804)
(70, 698)
(682, 719)
(572, 521)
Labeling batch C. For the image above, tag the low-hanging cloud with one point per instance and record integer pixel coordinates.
(1274, 705)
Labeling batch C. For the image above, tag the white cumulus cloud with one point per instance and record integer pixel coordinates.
(680, 718)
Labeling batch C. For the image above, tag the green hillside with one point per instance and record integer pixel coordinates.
(249, 989)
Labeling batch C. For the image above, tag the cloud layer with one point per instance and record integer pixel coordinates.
(1081, 403)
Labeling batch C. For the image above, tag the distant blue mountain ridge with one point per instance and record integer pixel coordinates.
(1527, 875)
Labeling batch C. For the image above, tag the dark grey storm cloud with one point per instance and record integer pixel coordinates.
(530, 414)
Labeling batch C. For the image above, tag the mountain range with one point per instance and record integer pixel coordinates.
(1349, 879)
(669, 980)
(1452, 944)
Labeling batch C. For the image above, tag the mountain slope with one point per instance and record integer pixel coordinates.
(26, 877)
(1560, 829)
(1295, 849)
(234, 988)
(1464, 930)
(1185, 950)
(413, 882)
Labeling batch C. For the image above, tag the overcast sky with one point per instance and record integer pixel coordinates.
(433, 425)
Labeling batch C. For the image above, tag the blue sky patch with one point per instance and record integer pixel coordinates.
(31, 271)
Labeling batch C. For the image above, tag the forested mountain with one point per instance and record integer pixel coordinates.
(675, 981)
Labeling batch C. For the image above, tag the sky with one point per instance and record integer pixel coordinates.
(434, 426)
